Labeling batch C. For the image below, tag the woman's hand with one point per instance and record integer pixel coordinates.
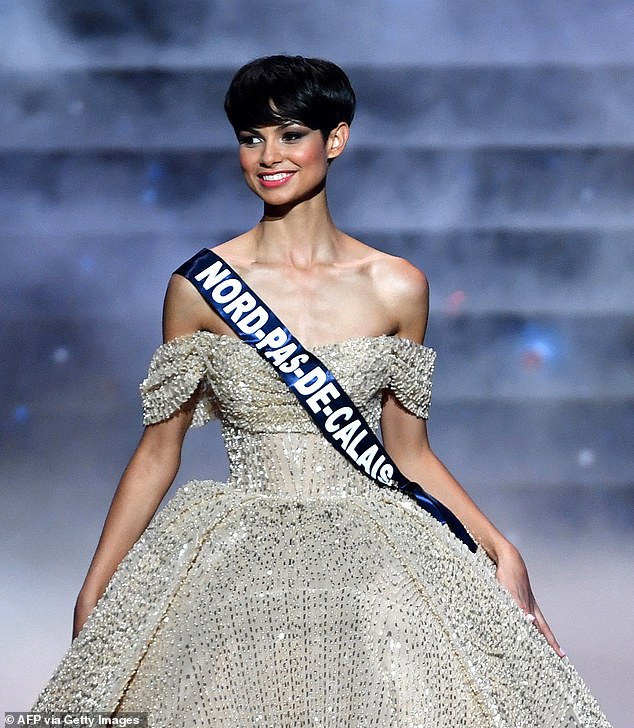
(511, 572)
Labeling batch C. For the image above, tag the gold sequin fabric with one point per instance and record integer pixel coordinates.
(299, 593)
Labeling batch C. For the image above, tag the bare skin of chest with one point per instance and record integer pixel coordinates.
(313, 301)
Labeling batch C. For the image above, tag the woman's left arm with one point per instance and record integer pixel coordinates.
(405, 438)
(406, 293)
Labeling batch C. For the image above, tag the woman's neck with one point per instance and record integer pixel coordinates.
(302, 235)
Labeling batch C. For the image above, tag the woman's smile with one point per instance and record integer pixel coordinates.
(275, 179)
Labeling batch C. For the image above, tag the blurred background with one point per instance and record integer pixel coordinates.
(493, 146)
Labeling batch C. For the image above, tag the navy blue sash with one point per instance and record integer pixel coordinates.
(308, 378)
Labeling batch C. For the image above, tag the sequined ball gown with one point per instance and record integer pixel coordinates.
(300, 593)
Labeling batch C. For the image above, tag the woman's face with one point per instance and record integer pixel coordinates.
(287, 163)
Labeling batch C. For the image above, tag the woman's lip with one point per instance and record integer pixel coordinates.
(274, 179)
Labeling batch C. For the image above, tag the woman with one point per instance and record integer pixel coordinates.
(300, 592)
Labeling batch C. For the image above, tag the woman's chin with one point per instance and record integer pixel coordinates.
(287, 199)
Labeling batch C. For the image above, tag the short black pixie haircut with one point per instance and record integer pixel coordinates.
(274, 89)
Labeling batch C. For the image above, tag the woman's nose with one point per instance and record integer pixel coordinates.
(270, 154)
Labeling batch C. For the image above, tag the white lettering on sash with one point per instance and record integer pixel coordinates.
(213, 274)
(365, 459)
(311, 381)
(240, 305)
(345, 433)
(226, 290)
(323, 396)
(279, 356)
(253, 320)
(385, 476)
(331, 423)
(377, 464)
(294, 363)
(273, 339)
(351, 447)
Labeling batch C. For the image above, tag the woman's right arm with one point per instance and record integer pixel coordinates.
(143, 485)
(151, 469)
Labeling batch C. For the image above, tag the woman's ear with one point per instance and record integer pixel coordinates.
(337, 140)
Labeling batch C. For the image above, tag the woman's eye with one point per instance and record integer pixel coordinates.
(293, 136)
(249, 140)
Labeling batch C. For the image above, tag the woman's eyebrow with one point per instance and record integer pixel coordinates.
(282, 125)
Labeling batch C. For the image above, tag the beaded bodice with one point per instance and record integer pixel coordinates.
(272, 443)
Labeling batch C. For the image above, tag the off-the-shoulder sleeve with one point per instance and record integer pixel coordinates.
(177, 368)
(411, 371)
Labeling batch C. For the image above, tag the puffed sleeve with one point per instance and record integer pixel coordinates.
(177, 368)
(411, 370)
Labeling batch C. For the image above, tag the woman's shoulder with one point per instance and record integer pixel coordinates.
(399, 276)
(184, 310)
(382, 263)
(393, 275)
(403, 289)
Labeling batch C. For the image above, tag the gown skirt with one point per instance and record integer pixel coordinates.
(300, 593)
